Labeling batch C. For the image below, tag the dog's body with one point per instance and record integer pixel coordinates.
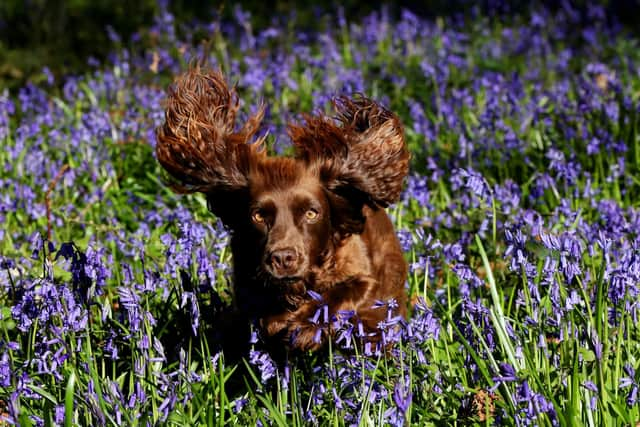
(307, 232)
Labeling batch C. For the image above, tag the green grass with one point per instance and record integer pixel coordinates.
(502, 328)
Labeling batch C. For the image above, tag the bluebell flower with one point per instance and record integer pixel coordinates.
(264, 363)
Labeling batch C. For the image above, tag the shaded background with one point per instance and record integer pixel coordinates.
(63, 34)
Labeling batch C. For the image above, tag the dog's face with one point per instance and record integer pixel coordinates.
(291, 218)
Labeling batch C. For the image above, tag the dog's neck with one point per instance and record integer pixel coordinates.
(346, 259)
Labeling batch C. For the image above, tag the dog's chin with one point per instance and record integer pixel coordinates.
(291, 289)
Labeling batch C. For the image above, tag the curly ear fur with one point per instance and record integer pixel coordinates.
(378, 159)
(198, 144)
(362, 159)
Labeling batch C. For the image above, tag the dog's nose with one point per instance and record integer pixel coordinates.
(284, 259)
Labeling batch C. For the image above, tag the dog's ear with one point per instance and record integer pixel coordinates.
(198, 144)
(361, 159)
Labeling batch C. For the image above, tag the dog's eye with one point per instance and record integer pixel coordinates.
(311, 214)
(257, 217)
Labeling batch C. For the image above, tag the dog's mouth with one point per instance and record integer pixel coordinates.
(283, 279)
(270, 277)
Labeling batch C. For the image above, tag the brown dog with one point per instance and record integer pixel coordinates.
(309, 233)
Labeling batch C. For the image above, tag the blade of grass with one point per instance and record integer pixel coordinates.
(496, 313)
(68, 400)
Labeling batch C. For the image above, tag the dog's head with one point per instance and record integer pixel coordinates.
(289, 210)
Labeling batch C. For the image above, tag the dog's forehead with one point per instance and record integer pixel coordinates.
(281, 173)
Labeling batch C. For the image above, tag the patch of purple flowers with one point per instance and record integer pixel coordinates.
(524, 134)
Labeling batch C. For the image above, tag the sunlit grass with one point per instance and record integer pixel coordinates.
(520, 223)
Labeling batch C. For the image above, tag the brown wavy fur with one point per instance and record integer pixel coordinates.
(314, 222)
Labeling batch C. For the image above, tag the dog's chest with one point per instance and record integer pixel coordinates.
(350, 259)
